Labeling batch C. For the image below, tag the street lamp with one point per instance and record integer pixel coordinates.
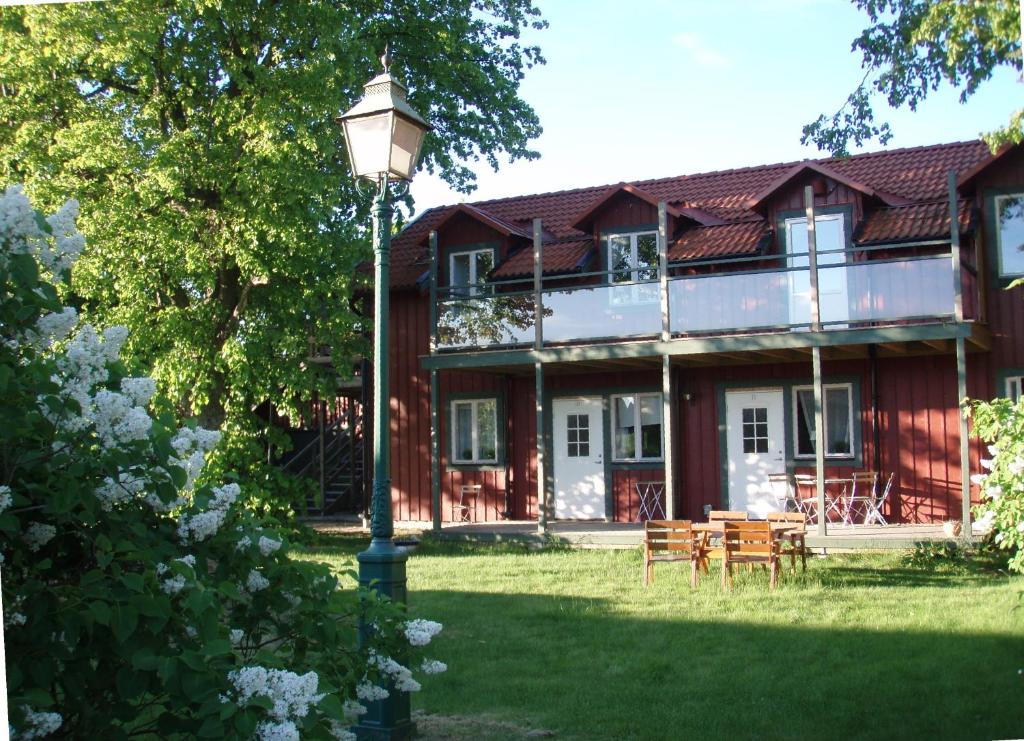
(383, 135)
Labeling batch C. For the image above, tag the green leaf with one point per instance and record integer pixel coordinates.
(100, 612)
(212, 727)
(218, 647)
(134, 582)
(125, 619)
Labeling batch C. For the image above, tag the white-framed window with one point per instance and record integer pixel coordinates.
(475, 431)
(1014, 388)
(838, 415)
(636, 427)
(1009, 213)
(631, 258)
(467, 271)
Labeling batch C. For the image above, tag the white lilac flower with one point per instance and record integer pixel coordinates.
(111, 492)
(993, 492)
(173, 585)
(68, 242)
(419, 632)
(291, 694)
(340, 731)
(986, 463)
(5, 497)
(237, 635)
(431, 666)
(56, 326)
(268, 545)
(1016, 467)
(370, 692)
(39, 725)
(38, 534)
(244, 542)
(139, 390)
(14, 619)
(256, 581)
(352, 709)
(284, 730)
(977, 479)
(202, 525)
(400, 675)
(190, 631)
(1020, 527)
(19, 232)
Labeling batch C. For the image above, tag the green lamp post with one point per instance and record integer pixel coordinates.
(383, 135)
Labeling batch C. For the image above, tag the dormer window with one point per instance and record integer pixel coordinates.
(468, 270)
(632, 258)
(1009, 210)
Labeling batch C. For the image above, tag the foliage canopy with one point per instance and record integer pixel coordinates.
(909, 49)
(224, 225)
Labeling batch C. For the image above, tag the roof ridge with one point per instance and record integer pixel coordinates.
(717, 173)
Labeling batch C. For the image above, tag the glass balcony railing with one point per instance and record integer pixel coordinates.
(854, 293)
(485, 321)
(601, 311)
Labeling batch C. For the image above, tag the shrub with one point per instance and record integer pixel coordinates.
(1000, 423)
(135, 601)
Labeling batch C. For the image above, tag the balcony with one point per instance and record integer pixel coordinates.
(869, 287)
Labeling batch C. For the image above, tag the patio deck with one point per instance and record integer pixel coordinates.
(628, 535)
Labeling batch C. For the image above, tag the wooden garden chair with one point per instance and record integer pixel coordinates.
(673, 540)
(794, 542)
(725, 515)
(750, 543)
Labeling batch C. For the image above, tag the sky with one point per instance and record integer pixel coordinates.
(644, 89)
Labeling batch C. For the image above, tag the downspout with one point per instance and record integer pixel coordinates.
(876, 426)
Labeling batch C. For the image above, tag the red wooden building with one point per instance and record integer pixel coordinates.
(671, 330)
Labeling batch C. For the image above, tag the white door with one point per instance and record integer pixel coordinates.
(829, 237)
(755, 447)
(578, 439)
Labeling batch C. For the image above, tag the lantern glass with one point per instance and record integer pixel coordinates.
(406, 138)
(369, 143)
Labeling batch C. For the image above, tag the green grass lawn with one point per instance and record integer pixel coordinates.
(859, 647)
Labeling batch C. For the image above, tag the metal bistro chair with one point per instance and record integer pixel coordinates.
(463, 511)
(862, 493)
(783, 486)
(650, 493)
(806, 504)
(876, 505)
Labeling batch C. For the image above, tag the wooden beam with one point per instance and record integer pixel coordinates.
(435, 453)
(895, 348)
(819, 439)
(965, 449)
(666, 421)
(542, 500)
(940, 345)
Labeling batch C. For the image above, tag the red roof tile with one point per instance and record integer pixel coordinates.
(559, 258)
(743, 238)
(915, 174)
(906, 223)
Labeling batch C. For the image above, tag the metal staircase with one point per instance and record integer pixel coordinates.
(334, 459)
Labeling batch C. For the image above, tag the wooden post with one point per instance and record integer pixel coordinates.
(435, 454)
(819, 391)
(666, 366)
(954, 250)
(538, 282)
(961, 356)
(542, 500)
(320, 455)
(435, 429)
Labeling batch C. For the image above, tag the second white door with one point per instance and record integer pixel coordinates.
(755, 448)
(578, 441)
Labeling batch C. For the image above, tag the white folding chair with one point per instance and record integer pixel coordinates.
(650, 493)
(863, 492)
(876, 504)
(464, 510)
(807, 505)
(784, 488)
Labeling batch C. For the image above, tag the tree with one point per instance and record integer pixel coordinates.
(223, 224)
(913, 46)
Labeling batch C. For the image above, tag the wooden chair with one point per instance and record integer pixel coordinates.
(673, 540)
(725, 515)
(794, 541)
(749, 543)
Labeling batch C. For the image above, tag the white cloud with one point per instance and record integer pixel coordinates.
(699, 52)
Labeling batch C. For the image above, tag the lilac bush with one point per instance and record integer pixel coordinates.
(138, 600)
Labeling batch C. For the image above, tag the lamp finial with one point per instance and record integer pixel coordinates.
(385, 58)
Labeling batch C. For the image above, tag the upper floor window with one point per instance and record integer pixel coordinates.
(468, 270)
(636, 427)
(838, 415)
(1009, 210)
(631, 258)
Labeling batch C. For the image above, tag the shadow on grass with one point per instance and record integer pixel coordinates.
(582, 667)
